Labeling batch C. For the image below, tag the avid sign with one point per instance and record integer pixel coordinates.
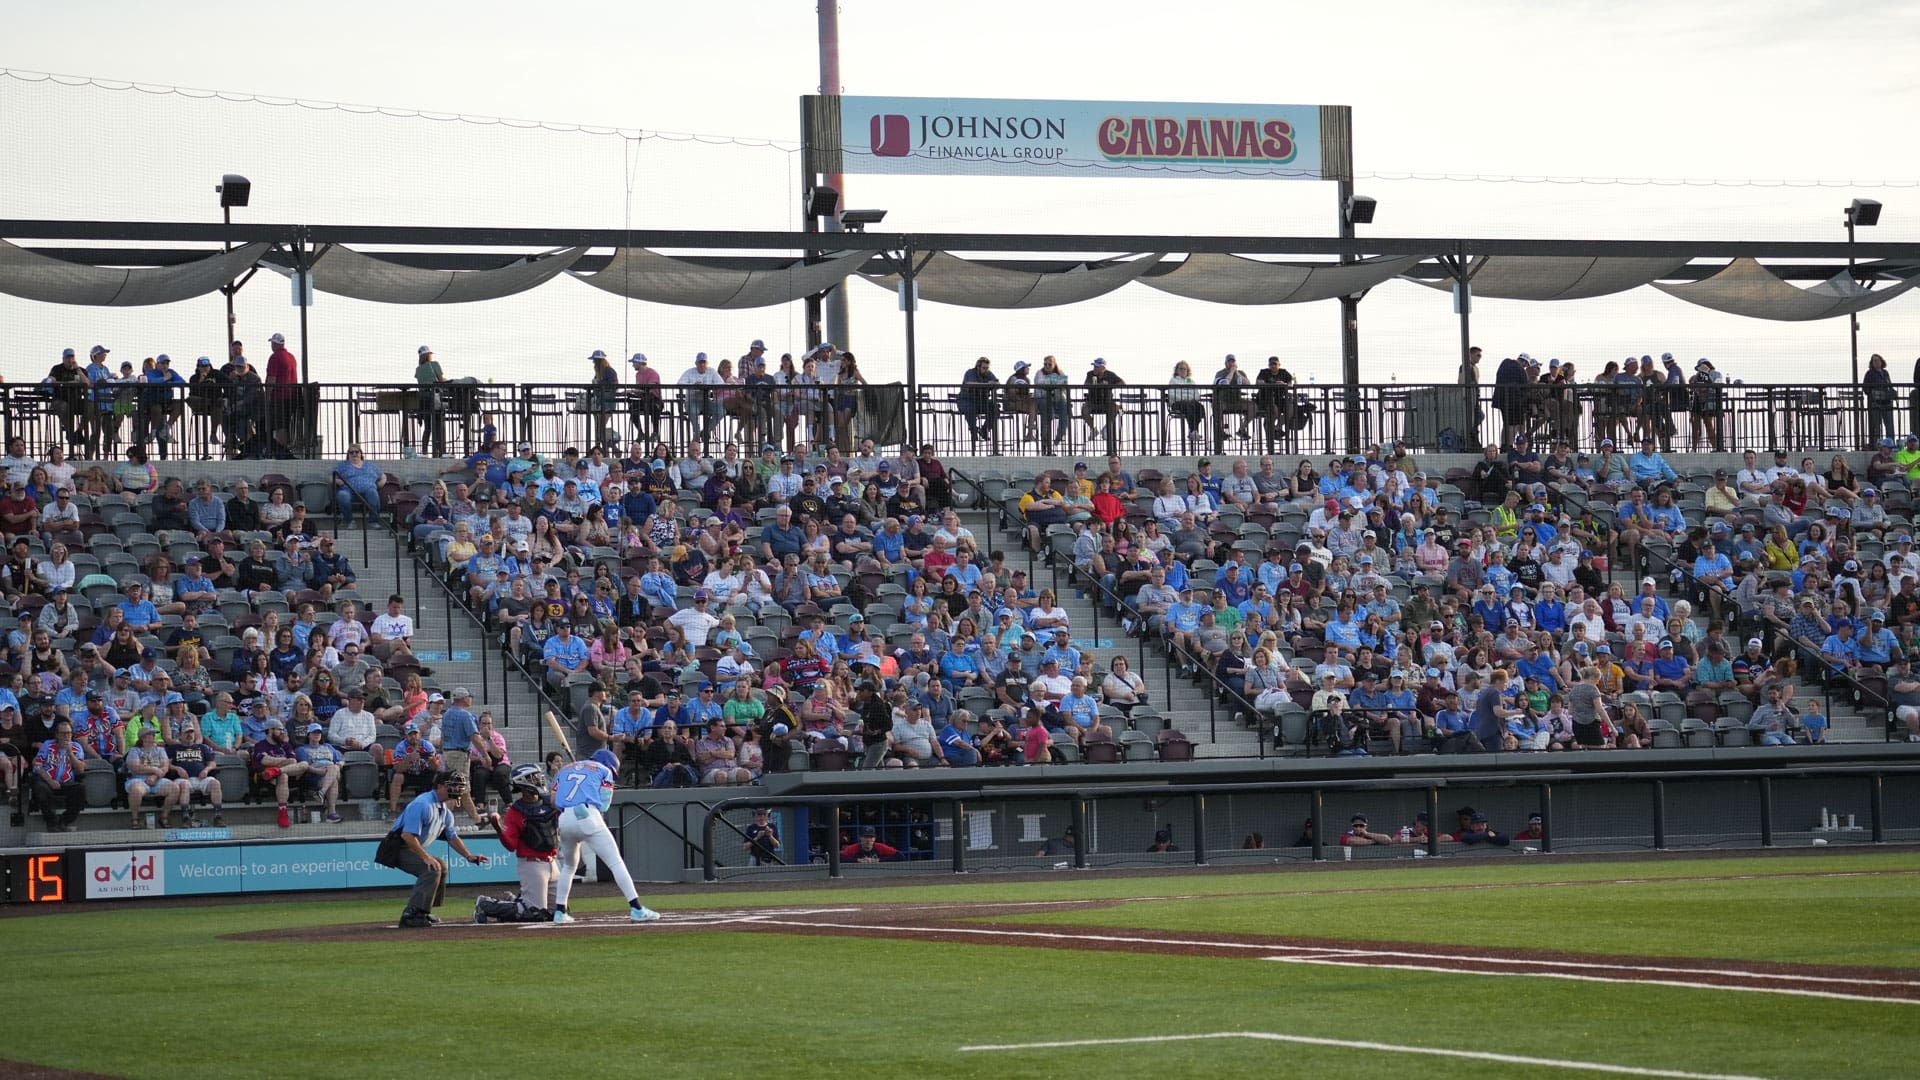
(995, 137)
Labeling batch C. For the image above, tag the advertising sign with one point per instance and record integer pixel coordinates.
(270, 867)
(996, 137)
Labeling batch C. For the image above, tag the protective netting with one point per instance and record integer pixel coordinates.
(33, 276)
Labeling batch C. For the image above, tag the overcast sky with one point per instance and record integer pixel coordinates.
(1755, 91)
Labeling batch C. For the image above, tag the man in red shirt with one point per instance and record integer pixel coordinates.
(283, 379)
(868, 849)
(19, 514)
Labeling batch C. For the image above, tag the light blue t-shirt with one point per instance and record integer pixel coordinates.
(427, 818)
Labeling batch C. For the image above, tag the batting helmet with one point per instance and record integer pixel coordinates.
(529, 778)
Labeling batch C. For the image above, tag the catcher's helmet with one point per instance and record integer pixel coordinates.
(529, 778)
(455, 779)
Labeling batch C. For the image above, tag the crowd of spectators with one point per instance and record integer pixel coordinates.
(704, 617)
(164, 631)
(1546, 602)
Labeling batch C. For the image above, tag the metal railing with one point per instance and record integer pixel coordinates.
(394, 420)
(1311, 418)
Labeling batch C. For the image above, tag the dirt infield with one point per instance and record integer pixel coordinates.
(970, 923)
(21, 1070)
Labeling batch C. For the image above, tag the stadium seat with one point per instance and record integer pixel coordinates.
(102, 785)
(1175, 746)
(1100, 750)
(359, 777)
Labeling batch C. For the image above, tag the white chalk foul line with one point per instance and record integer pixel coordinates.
(1387, 1048)
(1302, 954)
(1571, 976)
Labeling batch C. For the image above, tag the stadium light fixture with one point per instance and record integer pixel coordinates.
(234, 190)
(858, 220)
(1360, 209)
(823, 202)
(1861, 213)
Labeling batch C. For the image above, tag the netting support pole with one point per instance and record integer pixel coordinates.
(833, 841)
(1659, 815)
(1318, 801)
(910, 300)
(1546, 818)
(302, 266)
(1766, 812)
(1349, 324)
(1877, 807)
(959, 837)
(1077, 813)
(833, 309)
(1200, 830)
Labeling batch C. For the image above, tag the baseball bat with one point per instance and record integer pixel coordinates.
(553, 724)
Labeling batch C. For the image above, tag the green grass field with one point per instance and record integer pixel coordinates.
(143, 991)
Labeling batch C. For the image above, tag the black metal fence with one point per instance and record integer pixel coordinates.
(321, 420)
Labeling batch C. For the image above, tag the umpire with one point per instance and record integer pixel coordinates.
(426, 819)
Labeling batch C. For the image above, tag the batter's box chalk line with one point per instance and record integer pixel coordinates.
(1385, 1048)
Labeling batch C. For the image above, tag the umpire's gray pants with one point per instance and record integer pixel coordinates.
(429, 884)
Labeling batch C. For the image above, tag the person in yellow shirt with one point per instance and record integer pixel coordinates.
(1779, 552)
(1908, 457)
(1506, 517)
(1612, 679)
(1722, 496)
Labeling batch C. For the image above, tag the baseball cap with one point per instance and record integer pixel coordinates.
(426, 350)
(436, 696)
(64, 353)
(638, 358)
(868, 830)
(311, 728)
(277, 338)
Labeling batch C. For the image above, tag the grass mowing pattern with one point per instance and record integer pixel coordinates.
(697, 1004)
